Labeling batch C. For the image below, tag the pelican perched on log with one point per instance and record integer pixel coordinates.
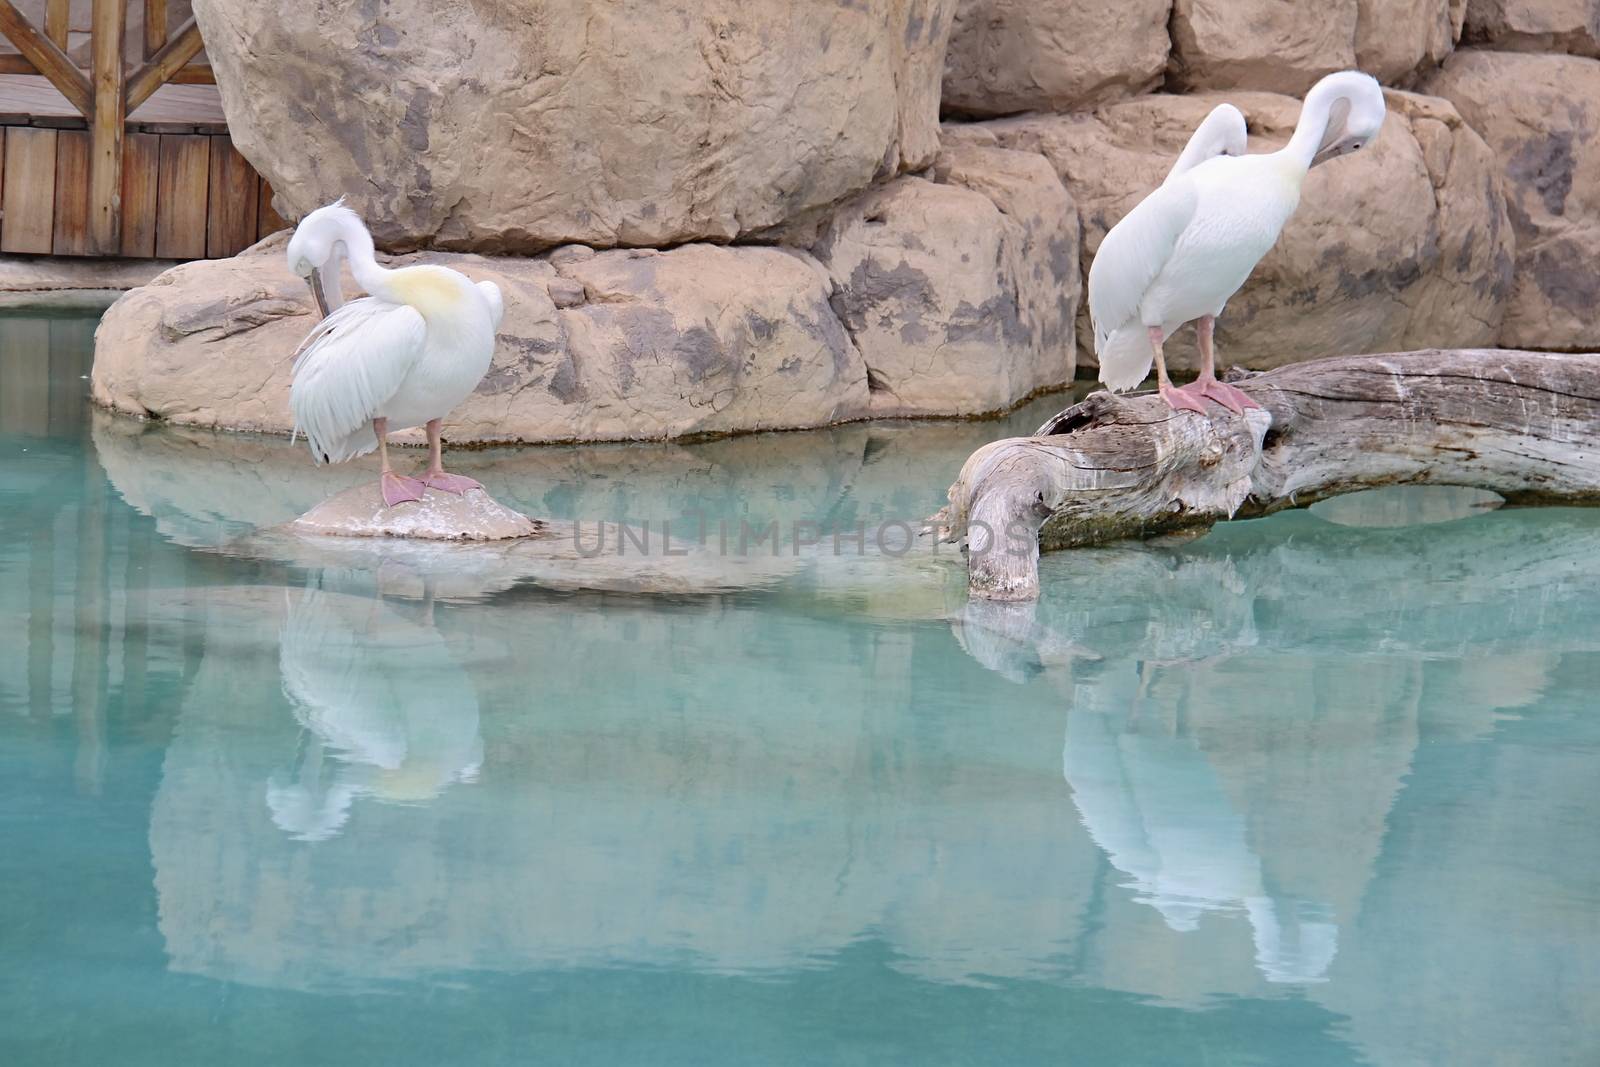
(400, 357)
(1187, 247)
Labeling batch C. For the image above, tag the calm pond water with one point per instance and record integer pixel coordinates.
(1318, 789)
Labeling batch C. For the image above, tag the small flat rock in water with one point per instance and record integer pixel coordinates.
(438, 516)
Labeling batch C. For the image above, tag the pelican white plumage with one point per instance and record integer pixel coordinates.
(403, 356)
(1185, 249)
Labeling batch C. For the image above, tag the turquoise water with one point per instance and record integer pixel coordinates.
(1318, 789)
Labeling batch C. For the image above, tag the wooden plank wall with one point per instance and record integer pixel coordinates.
(186, 192)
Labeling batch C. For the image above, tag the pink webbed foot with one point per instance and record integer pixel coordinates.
(451, 483)
(397, 488)
(1181, 400)
(1235, 400)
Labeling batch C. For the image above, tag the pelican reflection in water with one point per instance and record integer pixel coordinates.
(387, 710)
(1155, 805)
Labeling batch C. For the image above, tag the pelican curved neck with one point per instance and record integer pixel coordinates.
(352, 239)
(1312, 128)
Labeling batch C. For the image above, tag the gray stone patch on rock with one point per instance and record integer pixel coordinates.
(1571, 26)
(1541, 117)
(948, 286)
(1007, 56)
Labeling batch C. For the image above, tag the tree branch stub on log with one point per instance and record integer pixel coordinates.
(1523, 424)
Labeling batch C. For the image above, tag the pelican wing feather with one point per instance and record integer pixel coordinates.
(1133, 254)
(352, 363)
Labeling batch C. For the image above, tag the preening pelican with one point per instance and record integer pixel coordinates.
(1187, 247)
(400, 357)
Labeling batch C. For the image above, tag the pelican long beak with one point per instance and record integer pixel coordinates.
(318, 292)
(1334, 151)
(1322, 156)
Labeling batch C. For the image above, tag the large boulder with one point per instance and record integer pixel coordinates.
(1405, 245)
(698, 340)
(959, 291)
(524, 124)
(1535, 25)
(1285, 48)
(1541, 115)
(952, 294)
(1007, 56)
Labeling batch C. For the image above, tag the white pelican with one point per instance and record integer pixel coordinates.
(1187, 247)
(401, 357)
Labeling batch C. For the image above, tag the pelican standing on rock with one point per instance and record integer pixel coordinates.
(1187, 247)
(401, 357)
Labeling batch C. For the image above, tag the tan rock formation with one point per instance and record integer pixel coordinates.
(1535, 25)
(1259, 44)
(1007, 56)
(1395, 37)
(1402, 246)
(525, 124)
(959, 292)
(700, 339)
(1540, 114)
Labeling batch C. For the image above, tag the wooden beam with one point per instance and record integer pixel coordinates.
(184, 46)
(47, 58)
(106, 127)
(155, 27)
(1110, 468)
(194, 74)
(57, 19)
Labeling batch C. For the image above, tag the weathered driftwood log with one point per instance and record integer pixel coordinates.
(1524, 424)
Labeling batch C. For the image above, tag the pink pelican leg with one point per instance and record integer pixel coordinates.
(436, 477)
(1207, 386)
(396, 488)
(1177, 399)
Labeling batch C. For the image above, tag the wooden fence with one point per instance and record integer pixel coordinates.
(91, 184)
